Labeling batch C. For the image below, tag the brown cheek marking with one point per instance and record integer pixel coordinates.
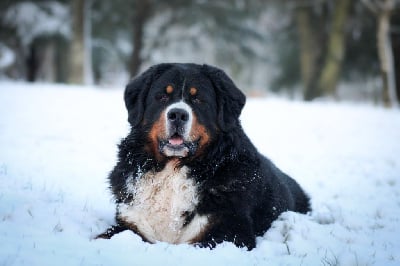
(193, 91)
(157, 131)
(169, 89)
(199, 131)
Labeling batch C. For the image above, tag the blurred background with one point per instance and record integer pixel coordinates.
(302, 49)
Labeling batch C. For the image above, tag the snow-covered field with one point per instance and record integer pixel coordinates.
(58, 143)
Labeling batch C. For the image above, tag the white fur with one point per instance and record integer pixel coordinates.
(188, 125)
(160, 201)
(176, 153)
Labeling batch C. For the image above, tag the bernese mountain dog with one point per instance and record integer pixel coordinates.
(187, 172)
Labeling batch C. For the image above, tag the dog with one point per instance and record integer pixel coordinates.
(187, 172)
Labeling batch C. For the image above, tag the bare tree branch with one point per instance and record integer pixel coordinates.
(371, 5)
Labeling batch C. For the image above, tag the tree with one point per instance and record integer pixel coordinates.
(308, 49)
(80, 62)
(142, 13)
(322, 37)
(334, 54)
(131, 21)
(383, 9)
(395, 37)
(223, 22)
(335, 42)
(321, 78)
(29, 31)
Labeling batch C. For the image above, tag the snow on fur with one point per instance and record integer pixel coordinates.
(58, 144)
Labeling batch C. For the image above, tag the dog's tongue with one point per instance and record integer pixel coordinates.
(175, 140)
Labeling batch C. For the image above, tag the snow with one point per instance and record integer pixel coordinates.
(7, 56)
(58, 144)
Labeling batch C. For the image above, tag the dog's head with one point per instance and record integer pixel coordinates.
(183, 107)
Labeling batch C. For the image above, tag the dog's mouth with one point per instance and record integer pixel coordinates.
(177, 146)
(175, 140)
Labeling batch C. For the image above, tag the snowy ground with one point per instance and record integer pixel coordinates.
(58, 143)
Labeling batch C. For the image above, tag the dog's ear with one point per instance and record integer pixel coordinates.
(136, 92)
(230, 99)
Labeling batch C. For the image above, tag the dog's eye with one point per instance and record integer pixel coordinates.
(196, 100)
(162, 98)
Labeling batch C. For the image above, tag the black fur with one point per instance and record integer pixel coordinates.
(242, 191)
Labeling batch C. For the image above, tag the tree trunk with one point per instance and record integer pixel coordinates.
(88, 69)
(396, 57)
(77, 49)
(141, 15)
(385, 54)
(307, 51)
(330, 72)
(32, 63)
(48, 65)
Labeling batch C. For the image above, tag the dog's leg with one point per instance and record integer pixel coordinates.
(237, 230)
(113, 230)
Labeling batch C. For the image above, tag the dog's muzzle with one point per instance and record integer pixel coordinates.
(178, 125)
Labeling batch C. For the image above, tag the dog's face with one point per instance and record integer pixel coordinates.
(182, 107)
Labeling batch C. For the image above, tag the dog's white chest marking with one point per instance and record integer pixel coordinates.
(161, 203)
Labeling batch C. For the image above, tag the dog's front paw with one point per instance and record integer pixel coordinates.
(110, 232)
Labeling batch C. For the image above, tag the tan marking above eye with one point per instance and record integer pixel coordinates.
(193, 91)
(169, 89)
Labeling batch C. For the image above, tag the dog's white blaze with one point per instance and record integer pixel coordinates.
(188, 125)
(160, 203)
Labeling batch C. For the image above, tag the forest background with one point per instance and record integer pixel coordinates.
(302, 49)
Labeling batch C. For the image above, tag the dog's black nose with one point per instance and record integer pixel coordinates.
(178, 116)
